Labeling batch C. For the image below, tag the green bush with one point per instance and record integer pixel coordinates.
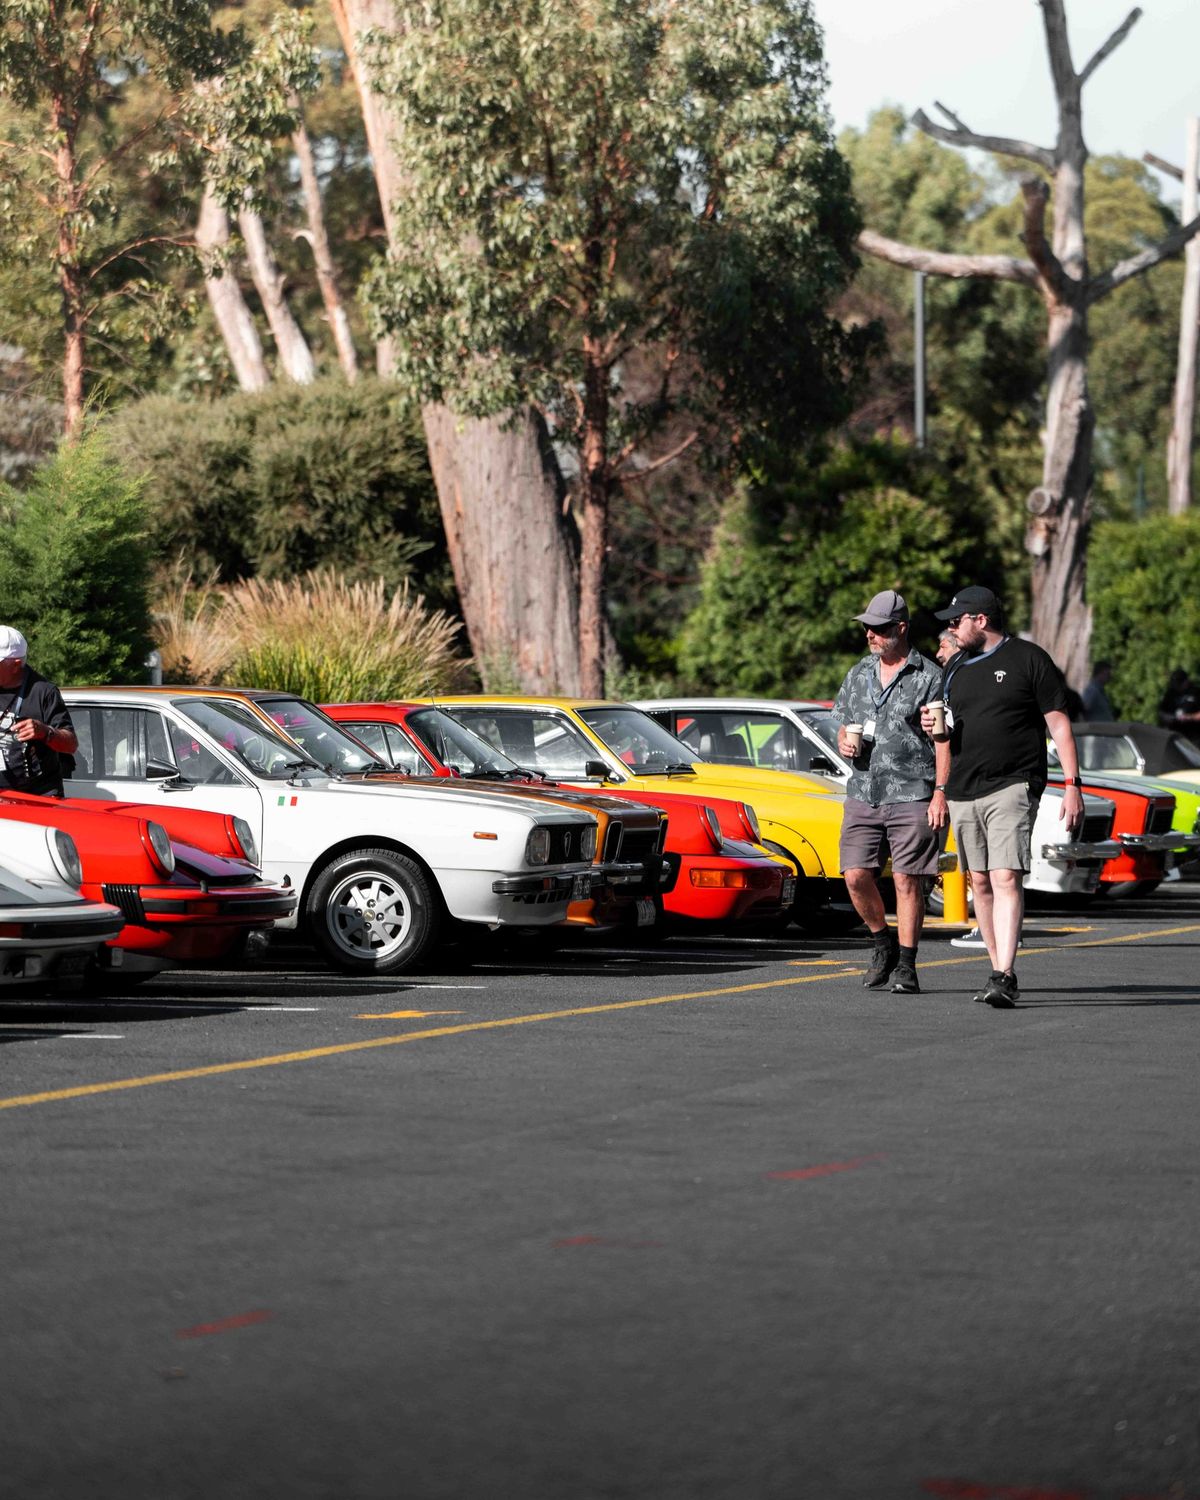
(794, 561)
(276, 483)
(1144, 586)
(74, 570)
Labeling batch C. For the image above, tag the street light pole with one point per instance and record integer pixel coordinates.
(919, 357)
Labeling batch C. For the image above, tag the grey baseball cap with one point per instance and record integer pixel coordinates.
(886, 608)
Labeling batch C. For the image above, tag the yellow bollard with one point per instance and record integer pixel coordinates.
(954, 896)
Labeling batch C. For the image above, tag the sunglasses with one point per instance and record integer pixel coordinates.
(958, 619)
(879, 630)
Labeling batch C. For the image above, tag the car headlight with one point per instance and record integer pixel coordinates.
(587, 844)
(537, 849)
(157, 843)
(714, 826)
(243, 837)
(750, 818)
(64, 856)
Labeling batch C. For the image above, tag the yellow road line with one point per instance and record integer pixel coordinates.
(20, 1101)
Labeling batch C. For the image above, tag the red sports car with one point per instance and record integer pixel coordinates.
(184, 879)
(720, 875)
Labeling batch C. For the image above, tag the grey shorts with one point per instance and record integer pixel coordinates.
(901, 829)
(993, 832)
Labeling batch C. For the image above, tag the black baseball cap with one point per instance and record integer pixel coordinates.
(975, 600)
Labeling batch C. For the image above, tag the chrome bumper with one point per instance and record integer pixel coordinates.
(561, 886)
(1081, 853)
(1161, 843)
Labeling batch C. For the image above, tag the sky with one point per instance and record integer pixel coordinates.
(986, 61)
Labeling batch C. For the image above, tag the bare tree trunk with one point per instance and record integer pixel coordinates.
(1179, 445)
(499, 487)
(1057, 535)
(294, 354)
(234, 318)
(1061, 510)
(318, 238)
(73, 349)
(513, 561)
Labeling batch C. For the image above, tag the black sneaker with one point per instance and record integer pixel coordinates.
(905, 981)
(883, 961)
(1002, 992)
(980, 997)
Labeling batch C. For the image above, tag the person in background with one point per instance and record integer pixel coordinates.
(894, 804)
(1179, 706)
(1096, 707)
(35, 727)
(1002, 698)
(947, 648)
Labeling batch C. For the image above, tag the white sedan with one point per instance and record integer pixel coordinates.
(48, 930)
(380, 866)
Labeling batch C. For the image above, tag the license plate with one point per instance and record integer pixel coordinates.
(789, 890)
(581, 887)
(647, 914)
(72, 963)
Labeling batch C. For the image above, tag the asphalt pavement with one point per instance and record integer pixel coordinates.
(696, 1221)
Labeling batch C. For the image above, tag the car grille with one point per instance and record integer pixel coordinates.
(128, 901)
(1096, 827)
(566, 844)
(640, 846)
(1161, 814)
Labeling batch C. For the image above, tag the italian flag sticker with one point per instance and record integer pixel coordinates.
(286, 802)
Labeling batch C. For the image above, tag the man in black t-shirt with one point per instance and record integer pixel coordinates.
(35, 727)
(1002, 696)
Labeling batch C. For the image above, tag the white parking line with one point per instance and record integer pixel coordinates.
(91, 1036)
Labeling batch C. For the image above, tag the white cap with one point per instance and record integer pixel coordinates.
(13, 645)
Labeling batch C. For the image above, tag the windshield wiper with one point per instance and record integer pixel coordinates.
(524, 771)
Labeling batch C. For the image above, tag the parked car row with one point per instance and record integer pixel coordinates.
(197, 819)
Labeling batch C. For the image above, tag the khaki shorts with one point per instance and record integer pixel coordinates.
(993, 831)
(901, 829)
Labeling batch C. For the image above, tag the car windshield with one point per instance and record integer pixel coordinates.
(824, 725)
(540, 738)
(457, 746)
(245, 734)
(640, 741)
(1184, 751)
(328, 743)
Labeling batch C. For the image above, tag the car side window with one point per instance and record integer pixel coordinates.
(373, 738)
(403, 754)
(84, 756)
(195, 761)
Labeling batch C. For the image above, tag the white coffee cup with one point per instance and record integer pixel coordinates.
(937, 709)
(854, 738)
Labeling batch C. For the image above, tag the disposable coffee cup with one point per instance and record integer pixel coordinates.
(854, 733)
(938, 709)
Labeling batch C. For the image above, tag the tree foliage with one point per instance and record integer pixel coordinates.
(1145, 585)
(292, 478)
(74, 568)
(795, 560)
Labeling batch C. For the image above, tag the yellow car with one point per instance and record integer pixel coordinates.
(582, 741)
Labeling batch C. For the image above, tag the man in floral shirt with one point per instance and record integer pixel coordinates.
(895, 798)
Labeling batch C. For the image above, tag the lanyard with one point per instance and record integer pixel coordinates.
(15, 708)
(970, 662)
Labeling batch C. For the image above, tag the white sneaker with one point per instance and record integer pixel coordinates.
(972, 939)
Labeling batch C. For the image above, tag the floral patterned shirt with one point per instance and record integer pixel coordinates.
(897, 765)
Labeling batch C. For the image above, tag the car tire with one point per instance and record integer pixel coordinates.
(373, 911)
(1126, 890)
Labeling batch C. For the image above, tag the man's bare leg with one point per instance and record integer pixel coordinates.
(910, 909)
(1008, 907)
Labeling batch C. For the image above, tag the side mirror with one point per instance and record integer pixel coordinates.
(595, 768)
(822, 765)
(159, 770)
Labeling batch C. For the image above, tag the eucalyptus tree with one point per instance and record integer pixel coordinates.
(1056, 267)
(590, 185)
(97, 92)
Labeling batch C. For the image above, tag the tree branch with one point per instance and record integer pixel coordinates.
(1162, 166)
(1112, 44)
(635, 475)
(942, 263)
(961, 136)
(1125, 270)
(1049, 268)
